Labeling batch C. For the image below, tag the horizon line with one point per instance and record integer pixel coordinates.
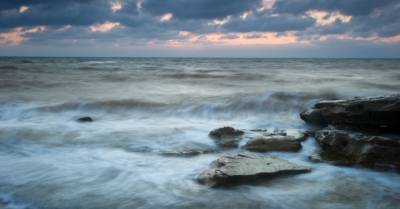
(196, 57)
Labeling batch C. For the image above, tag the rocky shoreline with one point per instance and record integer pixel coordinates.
(358, 132)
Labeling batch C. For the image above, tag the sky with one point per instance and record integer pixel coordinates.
(200, 28)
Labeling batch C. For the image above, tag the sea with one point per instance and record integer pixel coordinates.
(149, 137)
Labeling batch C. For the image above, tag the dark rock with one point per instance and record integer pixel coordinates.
(353, 148)
(238, 168)
(273, 143)
(259, 130)
(376, 113)
(85, 119)
(227, 136)
(278, 132)
(226, 131)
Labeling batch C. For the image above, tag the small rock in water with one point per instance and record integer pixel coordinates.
(232, 169)
(187, 153)
(273, 143)
(279, 132)
(353, 148)
(227, 136)
(85, 119)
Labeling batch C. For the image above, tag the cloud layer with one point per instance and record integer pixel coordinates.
(196, 23)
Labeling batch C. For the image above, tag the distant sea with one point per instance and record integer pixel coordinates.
(149, 113)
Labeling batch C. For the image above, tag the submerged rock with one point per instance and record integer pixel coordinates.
(273, 143)
(232, 169)
(278, 132)
(377, 113)
(259, 130)
(190, 150)
(186, 153)
(227, 136)
(352, 148)
(85, 119)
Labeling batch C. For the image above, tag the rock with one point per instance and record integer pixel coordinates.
(227, 136)
(277, 132)
(226, 131)
(376, 113)
(353, 148)
(259, 130)
(273, 143)
(186, 153)
(85, 119)
(232, 169)
(188, 150)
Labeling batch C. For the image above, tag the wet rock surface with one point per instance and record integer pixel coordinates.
(377, 113)
(226, 136)
(189, 151)
(232, 169)
(273, 143)
(353, 148)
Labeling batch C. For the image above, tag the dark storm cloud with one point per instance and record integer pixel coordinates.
(269, 23)
(199, 9)
(49, 13)
(349, 7)
(383, 23)
(68, 12)
(15, 4)
(369, 17)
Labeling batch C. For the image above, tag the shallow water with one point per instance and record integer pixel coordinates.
(148, 111)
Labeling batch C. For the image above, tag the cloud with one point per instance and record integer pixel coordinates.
(166, 17)
(17, 36)
(116, 6)
(327, 18)
(220, 22)
(23, 9)
(104, 27)
(199, 9)
(231, 39)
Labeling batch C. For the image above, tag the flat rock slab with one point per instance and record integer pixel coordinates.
(374, 112)
(238, 168)
(273, 143)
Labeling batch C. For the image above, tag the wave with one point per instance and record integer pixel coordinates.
(258, 104)
(201, 75)
(230, 106)
(7, 201)
(100, 62)
(8, 67)
(100, 105)
(383, 86)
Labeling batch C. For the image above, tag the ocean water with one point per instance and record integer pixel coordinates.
(152, 113)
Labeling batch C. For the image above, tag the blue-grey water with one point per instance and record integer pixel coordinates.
(148, 111)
